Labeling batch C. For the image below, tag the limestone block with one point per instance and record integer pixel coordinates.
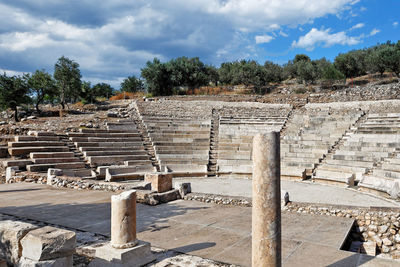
(11, 232)
(160, 182)
(59, 262)
(48, 243)
(368, 248)
(184, 188)
(52, 173)
(133, 257)
(10, 172)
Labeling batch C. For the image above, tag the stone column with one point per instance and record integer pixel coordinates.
(266, 210)
(123, 220)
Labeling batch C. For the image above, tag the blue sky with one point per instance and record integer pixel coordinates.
(113, 39)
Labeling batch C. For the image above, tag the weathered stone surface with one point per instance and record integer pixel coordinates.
(52, 173)
(3, 263)
(134, 257)
(59, 262)
(48, 243)
(164, 197)
(369, 248)
(3, 152)
(11, 232)
(184, 188)
(160, 182)
(10, 172)
(266, 219)
(123, 220)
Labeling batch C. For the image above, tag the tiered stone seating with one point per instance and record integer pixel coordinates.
(40, 151)
(381, 133)
(236, 141)
(181, 144)
(360, 152)
(114, 146)
(309, 136)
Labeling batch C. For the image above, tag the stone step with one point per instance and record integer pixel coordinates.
(332, 175)
(55, 160)
(36, 138)
(45, 167)
(137, 162)
(386, 173)
(19, 163)
(112, 153)
(127, 173)
(88, 130)
(18, 151)
(82, 172)
(105, 140)
(104, 135)
(363, 164)
(381, 184)
(114, 160)
(36, 155)
(99, 149)
(35, 143)
(110, 144)
(240, 169)
(41, 133)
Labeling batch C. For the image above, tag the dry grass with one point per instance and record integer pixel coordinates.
(127, 95)
(209, 90)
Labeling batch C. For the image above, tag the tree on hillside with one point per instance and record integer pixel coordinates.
(158, 77)
(213, 75)
(68, 78)
(132, 84)
(391, 57)
(13, 92)
(331, 74)
(272, 72)
(306, 71)
(351, 64)
(41, 84)
(190, 72)
(374, 60)
(301, 57)
(103, 90)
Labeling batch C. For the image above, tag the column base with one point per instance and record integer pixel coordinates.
(108, 256)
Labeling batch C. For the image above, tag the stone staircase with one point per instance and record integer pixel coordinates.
(214, 133)
(148, 146)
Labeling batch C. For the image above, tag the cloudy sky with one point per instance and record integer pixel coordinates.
(112, 39)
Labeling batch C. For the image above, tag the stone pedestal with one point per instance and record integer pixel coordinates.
(266, 210)
(160, 182)
(124, 249)
(133, 257)
(123, 220)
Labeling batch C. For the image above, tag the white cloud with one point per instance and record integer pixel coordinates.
(357, 26)
(324, 37)
(395, 24)
(281, 33)
(117, 37)
(262, 39)
(374, 32)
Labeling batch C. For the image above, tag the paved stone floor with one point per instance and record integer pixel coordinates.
(220, 233)
(298, 191)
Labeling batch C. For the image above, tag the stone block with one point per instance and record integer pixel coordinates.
(10, 172)
(11, 232)
(184, 188)
(52, 173)
(164, 197)
(134, 257)
(48, 243)
(160, 182)
(59, 262)
(368, 248)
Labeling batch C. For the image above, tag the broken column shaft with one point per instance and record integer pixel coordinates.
(266, 210)
(123, 220)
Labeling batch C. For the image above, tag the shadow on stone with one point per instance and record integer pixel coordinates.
(194, 247)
